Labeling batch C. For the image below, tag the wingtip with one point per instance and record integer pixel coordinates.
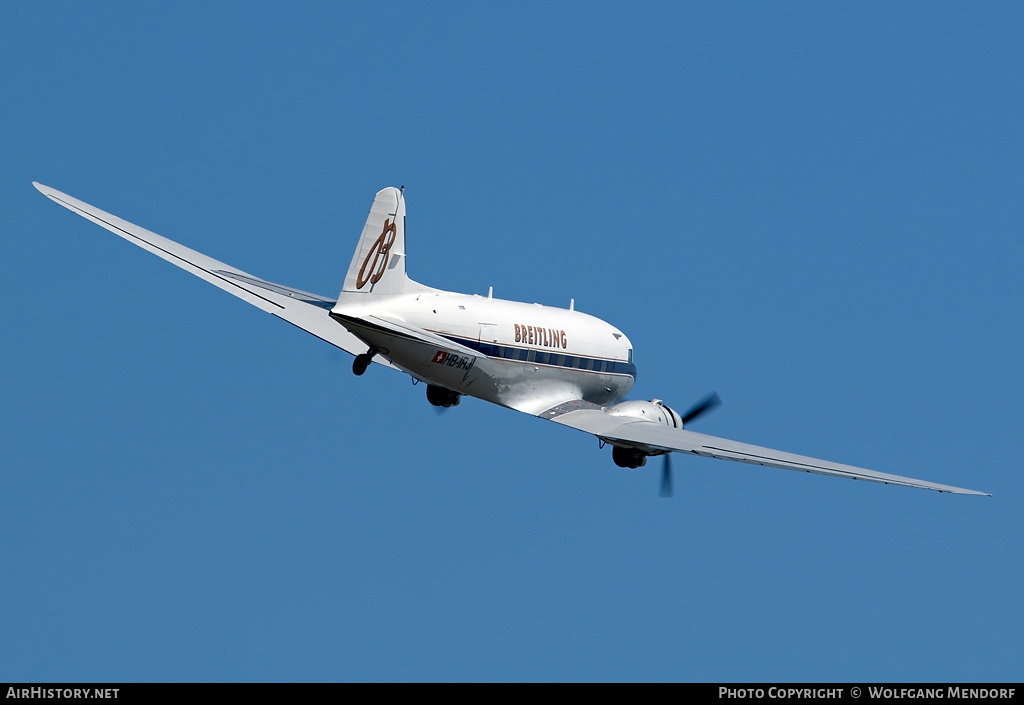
(50, 192)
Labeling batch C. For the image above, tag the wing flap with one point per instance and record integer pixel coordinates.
(652, 437)
(310, 312)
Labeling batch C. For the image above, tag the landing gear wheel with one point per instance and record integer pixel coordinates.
(628, 457)
(360, 364)
(439, 396)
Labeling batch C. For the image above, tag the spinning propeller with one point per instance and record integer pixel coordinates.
(702, 407)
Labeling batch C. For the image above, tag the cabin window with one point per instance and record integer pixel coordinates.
(530, 356)
(542, 358)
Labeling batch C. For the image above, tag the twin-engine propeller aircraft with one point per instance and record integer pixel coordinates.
(560, 365)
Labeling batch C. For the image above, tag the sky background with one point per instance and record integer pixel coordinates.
(814, 210)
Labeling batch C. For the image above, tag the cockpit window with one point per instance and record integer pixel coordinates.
(630, 356)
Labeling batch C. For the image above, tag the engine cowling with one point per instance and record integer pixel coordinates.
(653, 411)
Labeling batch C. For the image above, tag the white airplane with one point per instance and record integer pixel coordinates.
(556, 364)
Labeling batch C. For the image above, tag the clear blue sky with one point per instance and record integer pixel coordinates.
(815, 211)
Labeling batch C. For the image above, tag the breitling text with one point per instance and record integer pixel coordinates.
(547, 337)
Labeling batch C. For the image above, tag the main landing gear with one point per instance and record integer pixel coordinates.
(632, 458)
(440, 396)
(363, 361)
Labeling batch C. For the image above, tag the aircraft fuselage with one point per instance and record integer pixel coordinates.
(524, 356)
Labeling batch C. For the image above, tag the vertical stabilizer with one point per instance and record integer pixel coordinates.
(378, 266)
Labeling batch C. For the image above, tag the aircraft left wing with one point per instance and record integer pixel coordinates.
(310, 312)
(651, 437)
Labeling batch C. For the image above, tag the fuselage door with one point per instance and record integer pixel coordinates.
(488, 333)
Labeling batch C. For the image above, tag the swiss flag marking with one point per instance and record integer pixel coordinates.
(439, 358)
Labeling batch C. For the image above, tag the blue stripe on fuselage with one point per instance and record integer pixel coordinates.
(553, 359)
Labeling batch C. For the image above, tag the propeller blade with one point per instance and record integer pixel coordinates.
(705, 405)
(666, 476)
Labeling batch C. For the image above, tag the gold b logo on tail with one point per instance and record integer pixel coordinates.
(380, 249)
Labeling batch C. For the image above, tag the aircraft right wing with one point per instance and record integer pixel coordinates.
(310, 312)
(655, 438)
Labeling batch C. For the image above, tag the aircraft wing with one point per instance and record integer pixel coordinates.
(310, 312)
(649, 436)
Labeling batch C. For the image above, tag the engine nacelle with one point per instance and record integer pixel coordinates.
(653, 411)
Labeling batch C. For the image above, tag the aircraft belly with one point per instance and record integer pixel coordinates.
(533, 388)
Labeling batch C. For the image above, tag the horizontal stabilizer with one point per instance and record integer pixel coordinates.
(400, 329)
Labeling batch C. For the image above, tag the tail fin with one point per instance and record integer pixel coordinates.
(378, 265)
